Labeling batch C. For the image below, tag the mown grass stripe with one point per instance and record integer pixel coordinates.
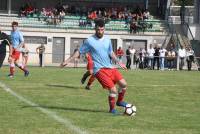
(51, 114)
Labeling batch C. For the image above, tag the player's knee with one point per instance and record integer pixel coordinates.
(123, 84)
(113, 90)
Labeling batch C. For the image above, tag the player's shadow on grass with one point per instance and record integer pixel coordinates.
(64, 86)
(67, 108)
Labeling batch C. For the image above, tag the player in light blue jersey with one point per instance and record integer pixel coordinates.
(17, 44)
(100, 48)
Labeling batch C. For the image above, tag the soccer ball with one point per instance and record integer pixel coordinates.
(130, 110)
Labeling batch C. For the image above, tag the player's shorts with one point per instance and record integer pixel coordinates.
(90, 66)
(108, 77)
(15, 54)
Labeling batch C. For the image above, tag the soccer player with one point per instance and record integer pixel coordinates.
(100, 48)
(4, 40)
(89, 72)
(17, 43)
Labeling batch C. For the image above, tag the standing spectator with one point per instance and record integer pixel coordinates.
(150, 53)
(162, 52)
(181, 55)
(190, 58)
(132, 50)
(25, 52)
(17, 43)
(100, 48)
(119, 54)
(141, 58)
(171, 56)
(156, 57)
(40, 50)
(136, 59)
(76, 59)
(4, 40)
(128, 57)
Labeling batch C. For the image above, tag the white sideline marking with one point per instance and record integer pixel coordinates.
(51, 114)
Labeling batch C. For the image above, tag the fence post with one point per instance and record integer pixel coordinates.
(177, 66)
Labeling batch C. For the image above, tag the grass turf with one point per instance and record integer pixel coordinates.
(168, 102)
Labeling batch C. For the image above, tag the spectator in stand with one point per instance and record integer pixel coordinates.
(190, 58)
(120, 54)
(150, 53)
(181, 55)
(162, 52)
(133, 26)
(62, 15)
(146, 15)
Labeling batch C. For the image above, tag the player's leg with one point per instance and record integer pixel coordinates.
(118, 78)
(12, 68)
(16, 59)
(90, 81)
(105, 79)
(121, 93)
(25, 62)
(26, 72)
(112, 99)
(85, 76)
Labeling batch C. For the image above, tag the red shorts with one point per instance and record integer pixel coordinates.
(108, 77)
(16, 54)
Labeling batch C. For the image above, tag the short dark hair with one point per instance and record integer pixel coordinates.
(99, 22)
(14, 23)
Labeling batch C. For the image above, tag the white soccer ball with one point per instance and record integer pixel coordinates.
(130, 110)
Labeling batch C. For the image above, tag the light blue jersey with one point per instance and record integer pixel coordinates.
(100, 50)
(16, 38)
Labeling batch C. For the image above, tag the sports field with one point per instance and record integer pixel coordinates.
(52, 101)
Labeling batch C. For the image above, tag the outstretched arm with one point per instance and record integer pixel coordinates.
(114, 58)
(73, 56)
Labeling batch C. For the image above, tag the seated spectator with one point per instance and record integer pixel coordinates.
(62, 15)
(133, 26)
(146, 15)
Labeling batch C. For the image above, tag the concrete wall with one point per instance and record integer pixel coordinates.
(34, 59)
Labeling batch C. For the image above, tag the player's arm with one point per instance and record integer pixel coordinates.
(76, 54)
(115, 59)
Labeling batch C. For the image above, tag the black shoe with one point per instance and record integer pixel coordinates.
(11, 75)
(87, 88)
(26, 73)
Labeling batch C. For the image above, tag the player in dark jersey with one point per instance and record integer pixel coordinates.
(89, 72)
(4, 41)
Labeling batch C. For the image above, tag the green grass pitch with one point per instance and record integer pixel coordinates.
(168, 102)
